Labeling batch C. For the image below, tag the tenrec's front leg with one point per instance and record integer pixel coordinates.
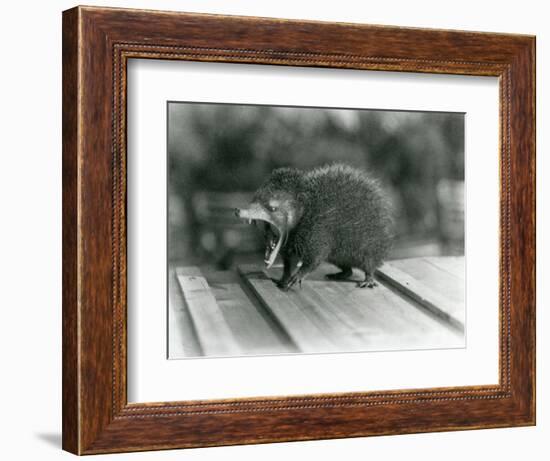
(308, 266)
(315, 249)
(289, 267)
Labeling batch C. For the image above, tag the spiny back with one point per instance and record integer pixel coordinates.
(345, 193)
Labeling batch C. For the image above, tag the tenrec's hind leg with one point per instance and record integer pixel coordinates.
(369, 281)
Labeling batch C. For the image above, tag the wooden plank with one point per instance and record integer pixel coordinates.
(429, 268)
(441, 274)
(288, 311)
(455, 265)
(214, 335)
(328, 316)
(387, 320)
(381, 318)
(439, 268)
(432, 299)
(255, 333)
(182, 337)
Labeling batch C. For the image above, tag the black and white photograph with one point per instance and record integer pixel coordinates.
(308, 230)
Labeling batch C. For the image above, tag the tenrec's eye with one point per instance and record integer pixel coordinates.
(272, 208)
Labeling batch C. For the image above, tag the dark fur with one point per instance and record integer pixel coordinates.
(342, 218)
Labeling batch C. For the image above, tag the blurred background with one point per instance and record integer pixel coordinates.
(218, 154)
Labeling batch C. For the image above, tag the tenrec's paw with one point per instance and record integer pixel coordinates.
(369, 284)
(288, 284)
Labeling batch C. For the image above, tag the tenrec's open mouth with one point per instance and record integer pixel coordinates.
(274, 237)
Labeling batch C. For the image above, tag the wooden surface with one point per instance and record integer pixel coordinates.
(247, 329)
(215, 336)
(97, 42)
(437, 284)
(322, 315)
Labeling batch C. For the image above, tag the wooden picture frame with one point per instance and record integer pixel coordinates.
(97, 43)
